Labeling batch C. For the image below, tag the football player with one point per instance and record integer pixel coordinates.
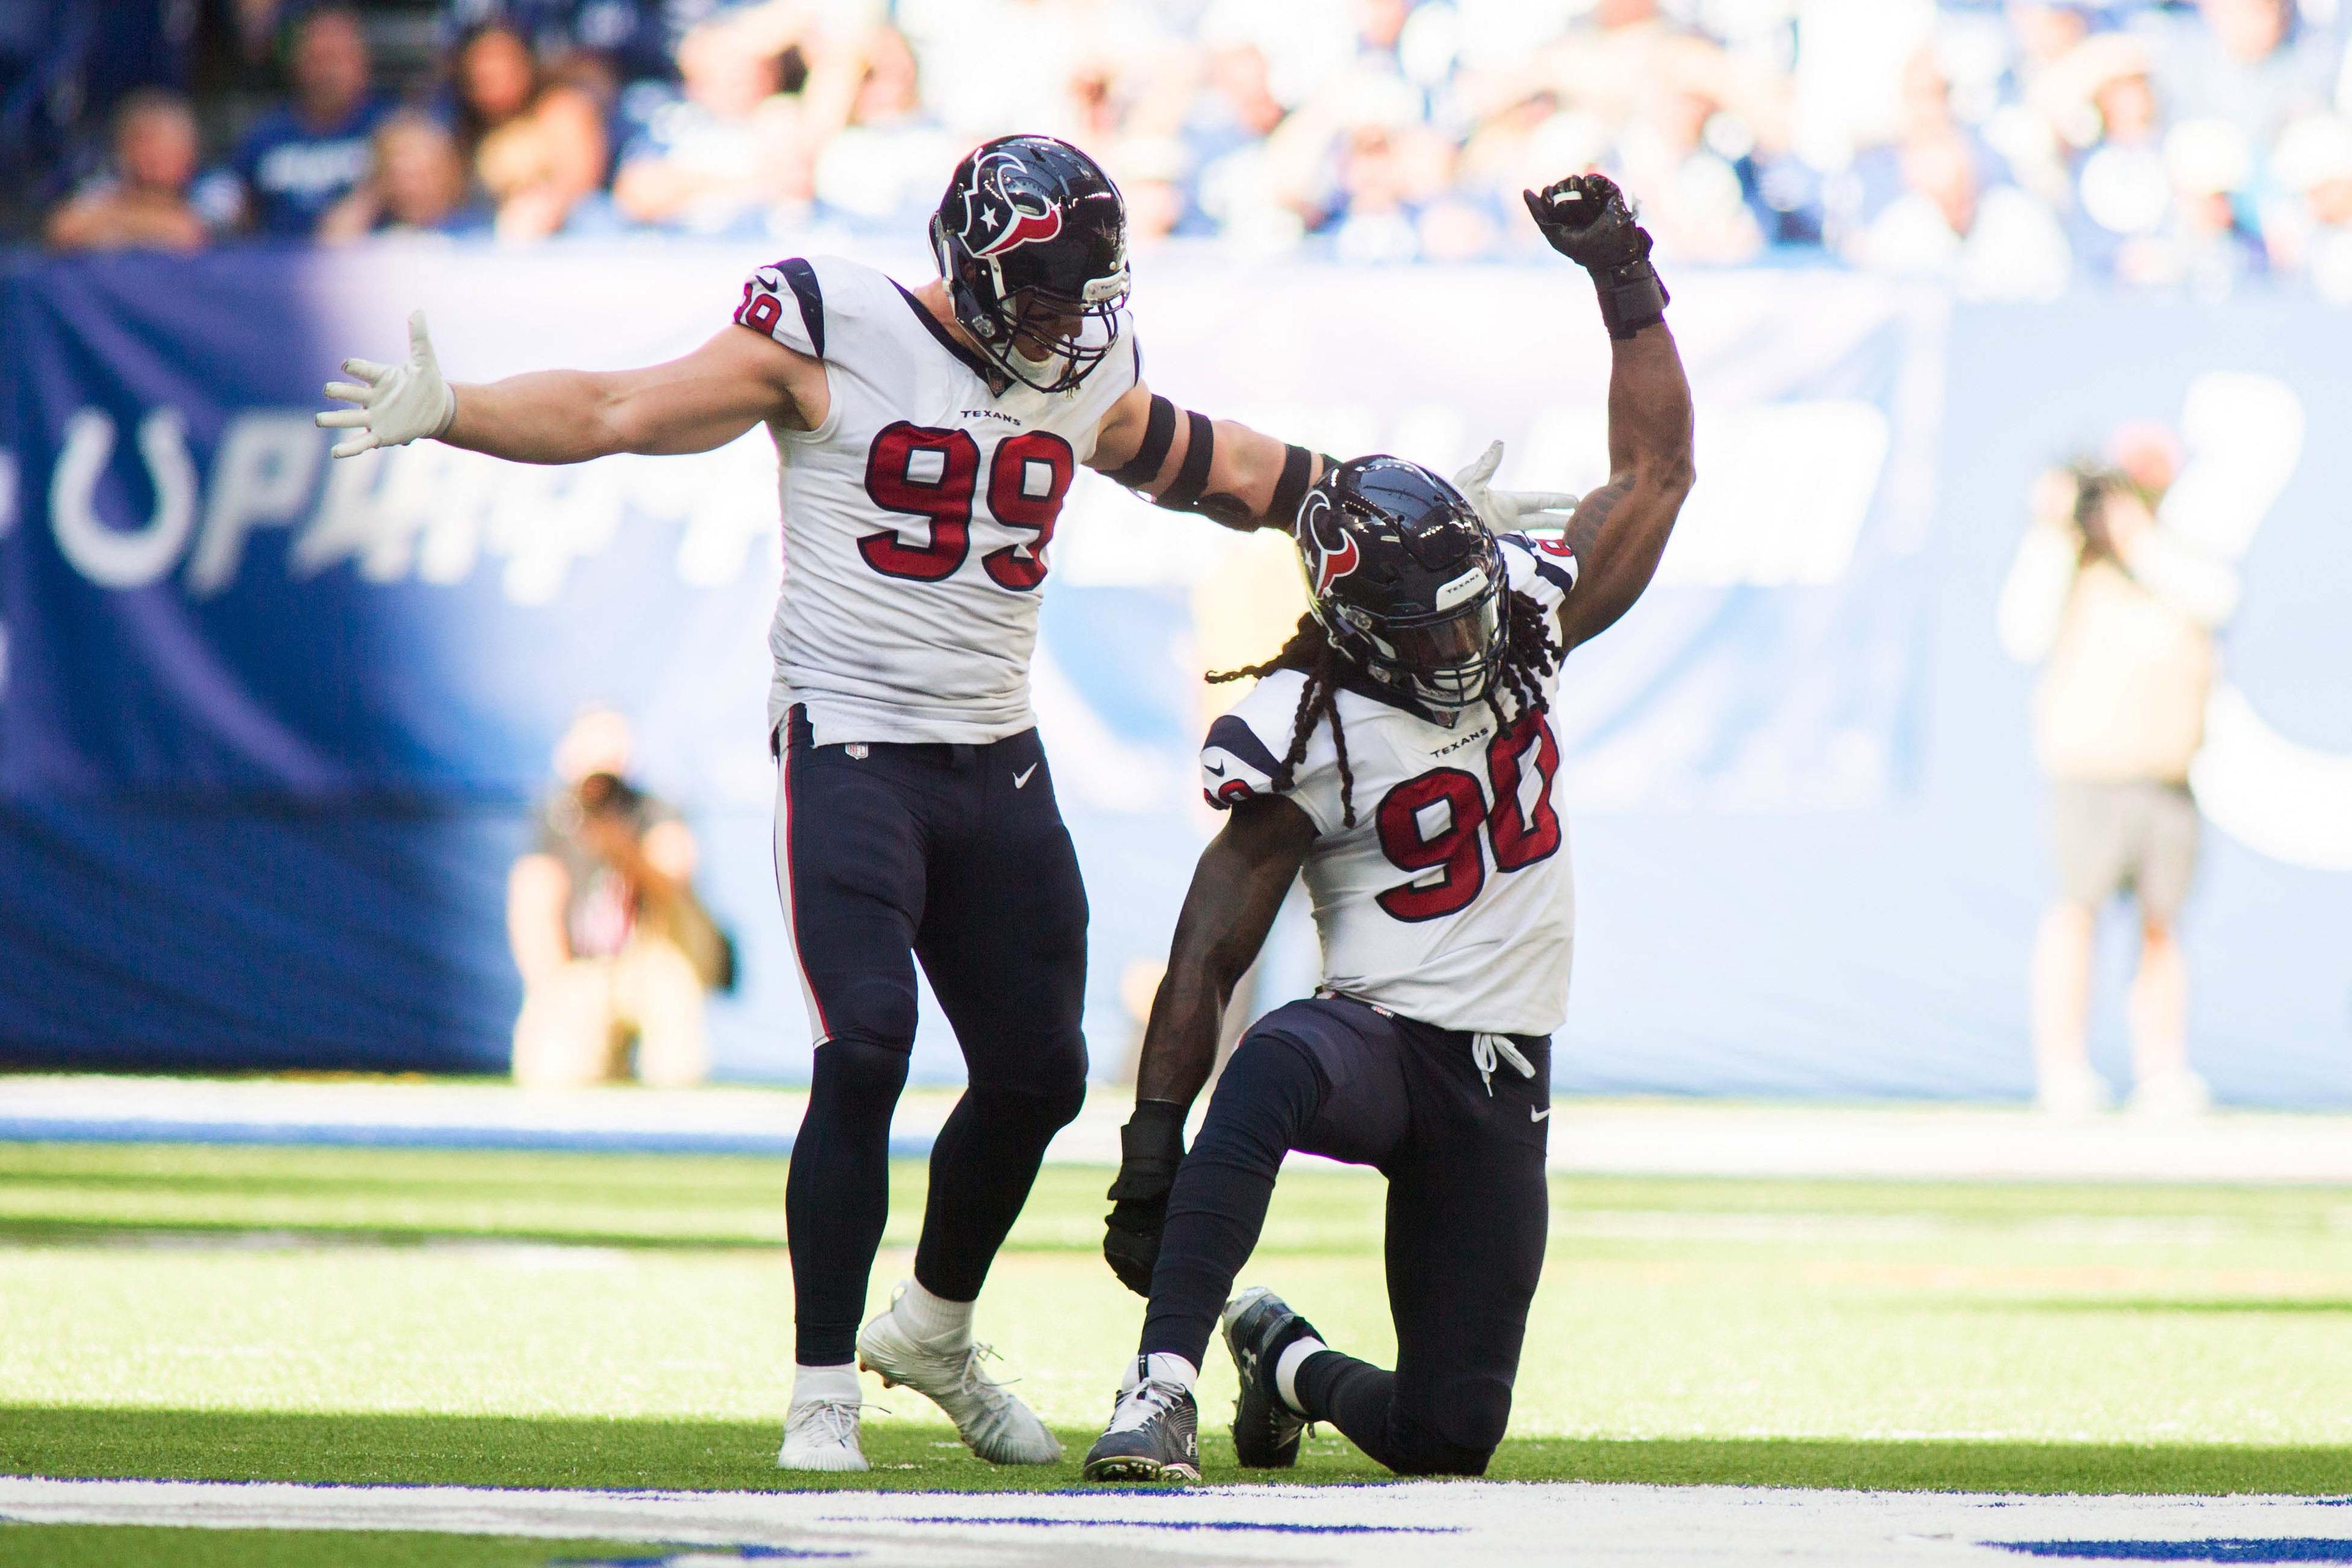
(1397, 750)
(926, 439)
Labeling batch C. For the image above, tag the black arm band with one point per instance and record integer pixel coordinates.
(1192, 477)
(1159, 435)
(1631, 298)
(1297, 466)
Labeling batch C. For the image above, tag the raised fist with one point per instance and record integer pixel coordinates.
(1586, 219)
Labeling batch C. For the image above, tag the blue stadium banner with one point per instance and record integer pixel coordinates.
(268, 723)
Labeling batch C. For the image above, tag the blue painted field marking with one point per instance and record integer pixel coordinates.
(741, 1554)
(2262, 1549)
(1227, 1524)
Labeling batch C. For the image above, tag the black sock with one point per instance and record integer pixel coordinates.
(983, 1163)
(1351, 1394)
(837, 1196)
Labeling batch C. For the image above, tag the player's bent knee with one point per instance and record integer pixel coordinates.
(1460, 1436)
(1271, 1086)
(1044, 1101)
(877, 1011)
(858, 1076)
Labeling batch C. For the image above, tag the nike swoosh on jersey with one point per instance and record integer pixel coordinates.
(1535, 1115)
(1216, 768)
(1021, 779)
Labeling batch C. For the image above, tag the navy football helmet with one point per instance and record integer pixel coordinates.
(1032, 240)
(1405, 580)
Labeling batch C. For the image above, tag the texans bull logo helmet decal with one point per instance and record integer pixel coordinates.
(997, 219)
(1327, 561)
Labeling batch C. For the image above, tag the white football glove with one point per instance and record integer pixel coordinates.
(398, 402)
(1511, 512)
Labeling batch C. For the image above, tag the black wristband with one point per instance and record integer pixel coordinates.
(1156, 1132)
(1631, 298)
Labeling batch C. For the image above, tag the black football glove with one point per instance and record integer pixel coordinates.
(1151, 1146)
(1585, 218)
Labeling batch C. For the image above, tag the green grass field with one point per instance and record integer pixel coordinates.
(574, 1319)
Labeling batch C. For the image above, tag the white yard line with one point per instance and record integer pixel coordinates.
(1491, 1524)
(1665, 1138)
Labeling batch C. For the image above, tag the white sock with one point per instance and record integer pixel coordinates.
(934, 1319)
(1167, 1366)
(811, 1384)
(1160, 1366)
(1286, 1369)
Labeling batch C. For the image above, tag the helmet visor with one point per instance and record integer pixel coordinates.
(1450, 658)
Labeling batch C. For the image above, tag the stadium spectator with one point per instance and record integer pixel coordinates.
(144, 204)
(883, 169)
(605, 928)
(715, 156)
(536, 141)
(1996, 242)
(305, 156)
(625, 39)
(2120, 612)
(2252, 63)
(2307, 224)
(415, 184)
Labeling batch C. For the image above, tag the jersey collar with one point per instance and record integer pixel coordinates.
(1362, 685)
(998, 381)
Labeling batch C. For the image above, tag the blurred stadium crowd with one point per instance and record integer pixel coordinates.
(2008, 148)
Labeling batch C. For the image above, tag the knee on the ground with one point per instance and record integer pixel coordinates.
(1459, 1437)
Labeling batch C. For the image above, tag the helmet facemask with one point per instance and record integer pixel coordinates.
(1448, 661)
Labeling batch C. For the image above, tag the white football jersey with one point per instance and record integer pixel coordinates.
(1451, 900)
(918, 516)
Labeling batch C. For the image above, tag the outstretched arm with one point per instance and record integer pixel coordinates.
(1620, 530)
(694, 404)
(1237, 889)
(1188, 462)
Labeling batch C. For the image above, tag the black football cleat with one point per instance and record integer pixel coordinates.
(1154, 1434)
(1258, 1325)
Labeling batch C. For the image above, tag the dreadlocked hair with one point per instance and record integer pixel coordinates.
(1308, 649)
(1529, 654)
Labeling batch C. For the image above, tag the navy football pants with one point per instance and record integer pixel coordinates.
(1467, 1212)
(956, 857)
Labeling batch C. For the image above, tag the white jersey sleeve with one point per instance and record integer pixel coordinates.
(786, 302)
(1543, 569)
(1242, 755)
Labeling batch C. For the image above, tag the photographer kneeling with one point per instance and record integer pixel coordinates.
(605, 926)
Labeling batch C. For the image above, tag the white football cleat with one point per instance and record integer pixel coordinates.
(2177, 1096)
(992, 1422)
(822, 1435)
(2072, 1092)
